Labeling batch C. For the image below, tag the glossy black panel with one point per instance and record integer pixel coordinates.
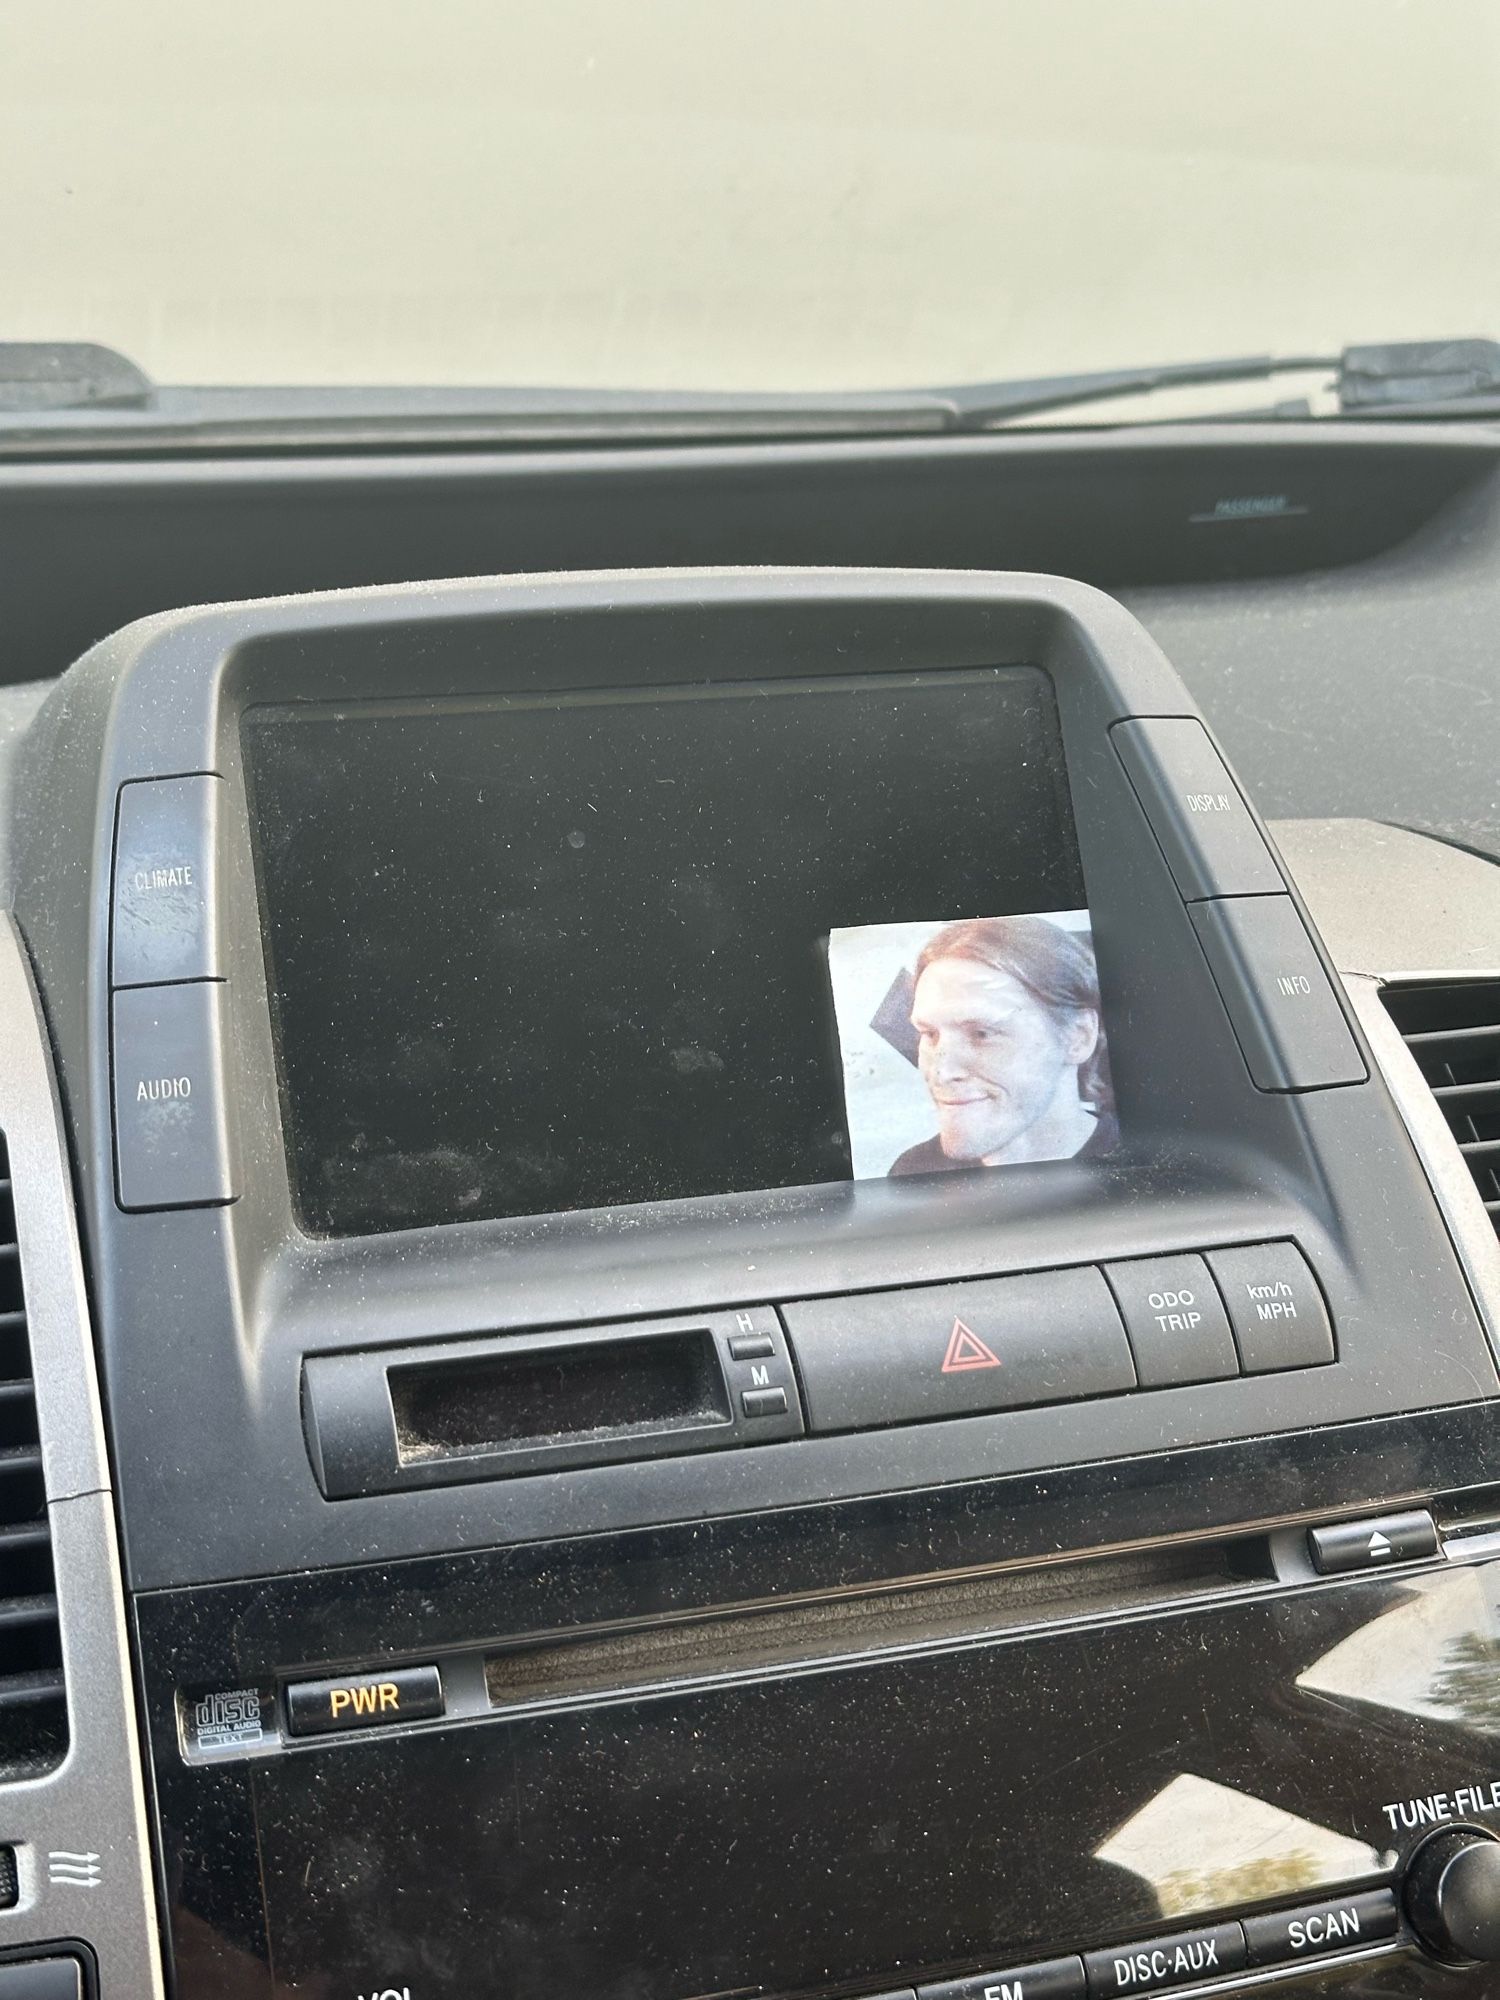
(975, 1806)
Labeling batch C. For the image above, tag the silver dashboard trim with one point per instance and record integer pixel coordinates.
(1392, 905)
(93, 1805)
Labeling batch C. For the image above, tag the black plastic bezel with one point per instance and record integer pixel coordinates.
(205, 1314)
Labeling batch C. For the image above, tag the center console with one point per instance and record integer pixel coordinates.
(768, 1324)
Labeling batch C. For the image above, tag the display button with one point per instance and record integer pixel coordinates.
(1155, 1966)
(1053, 1979)
(1178, 1328)
(165, 838)
(1291, 1027)
(42, 1979)
(1352, 1545)
(363, 1701)
(1205, 829)
(1275, 1307)
(171, 1135)
(1343, 1924)
(958, 1350)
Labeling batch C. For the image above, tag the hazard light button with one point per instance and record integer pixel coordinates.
(958, 1350)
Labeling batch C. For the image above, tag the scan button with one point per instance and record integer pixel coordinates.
(363, 1701)
(1345, 1923)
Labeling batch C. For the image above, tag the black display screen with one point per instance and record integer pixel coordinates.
(542, 953)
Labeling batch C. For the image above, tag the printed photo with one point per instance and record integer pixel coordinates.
(977, 1043)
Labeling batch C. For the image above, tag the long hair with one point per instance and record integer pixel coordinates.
(1055, 966)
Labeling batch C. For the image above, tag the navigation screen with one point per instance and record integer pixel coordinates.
(544, 953)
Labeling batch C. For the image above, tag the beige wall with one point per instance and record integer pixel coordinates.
(742, 192)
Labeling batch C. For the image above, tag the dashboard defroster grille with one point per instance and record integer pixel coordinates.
(33, 1708)
(1453, 1030)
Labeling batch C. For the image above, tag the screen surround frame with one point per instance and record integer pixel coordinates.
(210, 1311)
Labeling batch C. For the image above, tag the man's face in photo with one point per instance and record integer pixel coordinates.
(994, 1059)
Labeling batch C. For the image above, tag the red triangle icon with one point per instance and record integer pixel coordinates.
(966, 1350)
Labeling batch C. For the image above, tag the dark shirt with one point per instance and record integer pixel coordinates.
(929, 1157)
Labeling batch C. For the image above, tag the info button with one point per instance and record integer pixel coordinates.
(958, 1350)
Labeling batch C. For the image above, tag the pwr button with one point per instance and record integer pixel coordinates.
(363, 1701)
(1275, 1307)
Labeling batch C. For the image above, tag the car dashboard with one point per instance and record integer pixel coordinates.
(580, 1410)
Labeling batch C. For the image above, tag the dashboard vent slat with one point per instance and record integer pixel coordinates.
(33, 1699)
(1453, 1032)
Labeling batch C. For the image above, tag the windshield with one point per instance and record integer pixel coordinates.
(747, 195)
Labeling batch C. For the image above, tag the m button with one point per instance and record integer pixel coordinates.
(363, 1701)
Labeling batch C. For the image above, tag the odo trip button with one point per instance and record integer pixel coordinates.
(363, 1701)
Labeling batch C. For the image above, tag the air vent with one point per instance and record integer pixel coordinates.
(1453, 1030)
(33, 1711)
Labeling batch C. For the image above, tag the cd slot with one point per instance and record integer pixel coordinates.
(760, 1639)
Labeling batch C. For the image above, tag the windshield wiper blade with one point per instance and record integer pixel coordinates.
(84, 397)
(75, 380)
(981, 405)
